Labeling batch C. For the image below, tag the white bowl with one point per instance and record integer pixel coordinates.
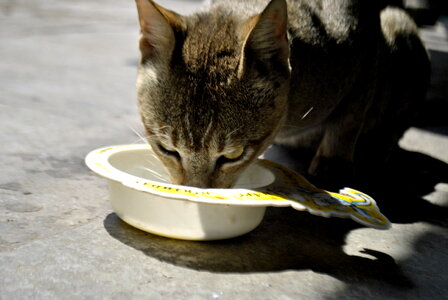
(142, 196)
(127, 166)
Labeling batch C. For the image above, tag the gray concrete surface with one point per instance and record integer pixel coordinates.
(67, 72)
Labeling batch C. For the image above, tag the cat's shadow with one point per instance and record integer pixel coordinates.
(286, 240)
(293, 240)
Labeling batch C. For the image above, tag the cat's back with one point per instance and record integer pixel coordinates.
(316, 22)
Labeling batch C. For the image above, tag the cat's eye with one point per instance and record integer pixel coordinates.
(167, 152)
(235, 154)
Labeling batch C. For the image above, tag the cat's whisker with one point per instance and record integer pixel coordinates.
(154, 173)
(136, 141)
(141, 137)
(306, 114)
(151, 162)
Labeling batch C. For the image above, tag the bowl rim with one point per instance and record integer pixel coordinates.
(98, 161)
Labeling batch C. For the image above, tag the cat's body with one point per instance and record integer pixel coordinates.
(217, 88)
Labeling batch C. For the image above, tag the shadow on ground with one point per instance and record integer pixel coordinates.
(286, 240)
(409, 177)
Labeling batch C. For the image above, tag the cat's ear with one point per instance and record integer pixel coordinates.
(266, 40)
(157, 26)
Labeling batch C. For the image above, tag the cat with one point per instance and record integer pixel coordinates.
(216, 88)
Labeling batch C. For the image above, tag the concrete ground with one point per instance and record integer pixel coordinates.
(67, 76)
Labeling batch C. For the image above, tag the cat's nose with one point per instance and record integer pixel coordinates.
(197, 172)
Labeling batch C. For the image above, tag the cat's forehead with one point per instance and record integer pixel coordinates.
(211, 44)
(216, 128)
(186, 134)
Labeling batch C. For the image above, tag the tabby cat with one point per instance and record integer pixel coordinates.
(218, 87)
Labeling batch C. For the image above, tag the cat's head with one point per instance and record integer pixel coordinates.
(212, 89)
